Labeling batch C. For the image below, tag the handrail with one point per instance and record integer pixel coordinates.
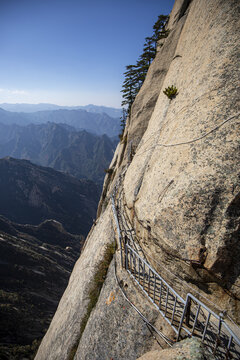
(118, 228)
(179, 313)
(219, 317)
(154, 271)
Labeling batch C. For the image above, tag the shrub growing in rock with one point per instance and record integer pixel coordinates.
(171, 92)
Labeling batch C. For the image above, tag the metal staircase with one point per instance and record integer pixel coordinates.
(188, 317)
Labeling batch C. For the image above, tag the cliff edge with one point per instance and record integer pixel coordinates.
(177, 174)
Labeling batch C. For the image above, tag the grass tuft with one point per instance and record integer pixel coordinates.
(94, 291)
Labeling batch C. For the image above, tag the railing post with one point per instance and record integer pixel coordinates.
(126, 254)
(139, 269)
(134, 264)
(143, 275)
(188, 312)
(130, 261)
(205, 328)
(160, 296)
(218, 340)
(166, 303)
(196, 318)
(174, 308)
(118, 228)
(129, 258)
(154, 290)
(149, 280)
(182, 318)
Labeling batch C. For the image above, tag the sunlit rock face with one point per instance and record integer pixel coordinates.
(178, 168)
(182, 186)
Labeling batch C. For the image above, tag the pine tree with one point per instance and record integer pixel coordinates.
(149, 51)
(159, 28)
(123, 119)
(135, 74)
(129, 88)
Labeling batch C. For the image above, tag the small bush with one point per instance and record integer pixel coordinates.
(171, 92)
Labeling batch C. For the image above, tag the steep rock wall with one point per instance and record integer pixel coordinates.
(64, 330)
(182, 186)
(178, 168)
(182, 181)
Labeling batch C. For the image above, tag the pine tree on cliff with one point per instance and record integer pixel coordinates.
(135, 74)
(129, 88)
(149, 51)
(159, 28)
(123, 119)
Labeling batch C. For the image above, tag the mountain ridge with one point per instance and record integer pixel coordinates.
(175, 182)
(80, 119)
(24, 107)
(33, 193)
(60, 146)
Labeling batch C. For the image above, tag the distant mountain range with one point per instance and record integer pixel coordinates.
(31, 194)
(59, 146)
(44, 217)
(45, 212)
(29, 108)
(80, 119)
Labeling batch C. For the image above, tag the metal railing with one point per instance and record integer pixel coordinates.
(210, 328)
(188, 317)
(168, 302)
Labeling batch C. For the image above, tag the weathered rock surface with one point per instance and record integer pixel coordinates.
(102, 338)
(189, 349)
(182, 186)
(65, 327)
(178, 169)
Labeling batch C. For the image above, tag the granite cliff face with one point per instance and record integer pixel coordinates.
(178, 172)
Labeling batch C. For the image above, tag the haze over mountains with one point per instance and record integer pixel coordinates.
(112, 112)
(52, 163)
(80, 119)
(79, 153)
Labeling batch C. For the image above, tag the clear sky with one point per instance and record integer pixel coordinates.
(71, 52)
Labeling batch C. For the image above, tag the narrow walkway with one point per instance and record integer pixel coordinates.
(187, 317)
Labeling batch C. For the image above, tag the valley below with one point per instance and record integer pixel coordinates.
(35, 265)
(51, 175)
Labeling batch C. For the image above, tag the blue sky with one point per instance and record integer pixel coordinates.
(71, 52)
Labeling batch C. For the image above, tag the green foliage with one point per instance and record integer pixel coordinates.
(73, 349)
(98, 281)
(135, 74)
(17, 352)
(123, 119)
(94, 291)
(171, 92)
